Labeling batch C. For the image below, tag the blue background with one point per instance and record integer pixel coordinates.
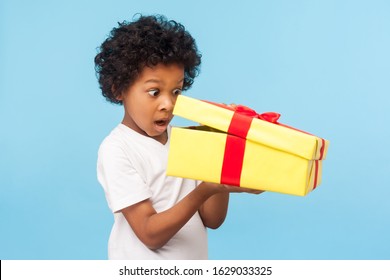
(324, 65)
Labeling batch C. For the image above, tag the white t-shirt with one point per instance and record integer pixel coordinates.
(131, 167)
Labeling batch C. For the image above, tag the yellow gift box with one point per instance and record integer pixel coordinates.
(242, 148)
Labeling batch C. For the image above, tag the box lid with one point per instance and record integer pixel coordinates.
(266, 132)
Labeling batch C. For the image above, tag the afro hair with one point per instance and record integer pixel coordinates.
(145, 42)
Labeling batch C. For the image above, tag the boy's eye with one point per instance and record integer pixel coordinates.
(153, 92)
(177, 91)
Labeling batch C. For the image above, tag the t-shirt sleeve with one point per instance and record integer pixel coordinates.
(122, 184)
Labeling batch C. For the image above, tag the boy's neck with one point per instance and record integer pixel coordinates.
(162, 138)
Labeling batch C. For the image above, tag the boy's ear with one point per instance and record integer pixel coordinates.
(118, 96)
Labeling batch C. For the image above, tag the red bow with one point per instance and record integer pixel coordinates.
(267, 116)
(246, 111)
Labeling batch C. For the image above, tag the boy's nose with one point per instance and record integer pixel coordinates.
(167, 103)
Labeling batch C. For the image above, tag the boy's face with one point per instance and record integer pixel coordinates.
(149, 102)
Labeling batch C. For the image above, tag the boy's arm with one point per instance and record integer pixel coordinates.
(214, 210)
(156, 229)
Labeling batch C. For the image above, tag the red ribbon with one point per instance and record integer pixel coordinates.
(235, 149)
(236, 140)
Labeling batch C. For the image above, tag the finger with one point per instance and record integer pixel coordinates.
(247, 190)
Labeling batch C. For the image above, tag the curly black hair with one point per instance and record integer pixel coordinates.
(147, 41)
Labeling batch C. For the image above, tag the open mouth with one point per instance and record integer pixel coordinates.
(161, 122)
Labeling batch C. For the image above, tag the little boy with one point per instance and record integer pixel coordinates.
(144, 65)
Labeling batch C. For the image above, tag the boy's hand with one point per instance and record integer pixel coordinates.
(235, 189)
(229, 189)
